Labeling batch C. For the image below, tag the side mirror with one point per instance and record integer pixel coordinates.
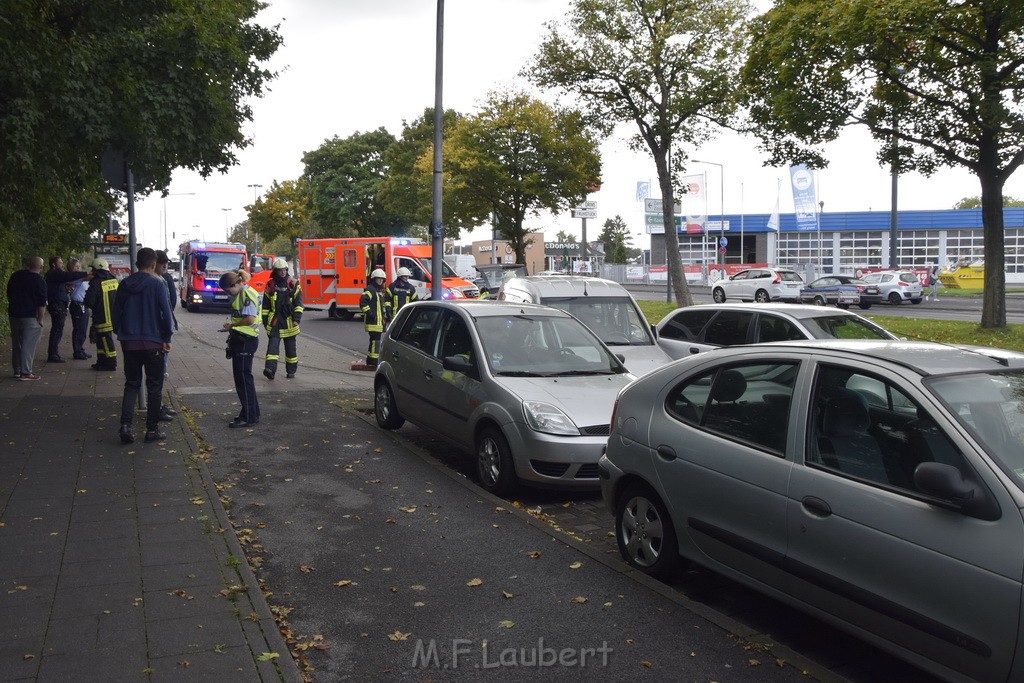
(457, 364)
(654, 331)
(946, 483)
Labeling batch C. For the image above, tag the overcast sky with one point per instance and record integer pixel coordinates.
(350, 66)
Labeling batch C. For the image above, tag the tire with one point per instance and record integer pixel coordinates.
(644, 532)
(761, 296)
(384, 408)
(843, 306)
(863, 307)
(895, 299)
(494, 466)
(916, 301)
(332, 311)
(819, 301)
(718, 294)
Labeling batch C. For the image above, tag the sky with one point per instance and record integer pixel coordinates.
(349, 66)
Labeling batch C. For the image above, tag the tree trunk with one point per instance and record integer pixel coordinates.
(993, 307)
(680, 287)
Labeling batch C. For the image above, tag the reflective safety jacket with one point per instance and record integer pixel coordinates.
(282, 307)
(375, 307)
(100, 299)
(245, 295)
(401, 293)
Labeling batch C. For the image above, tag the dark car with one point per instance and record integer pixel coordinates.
(493, 275)
(840, 290)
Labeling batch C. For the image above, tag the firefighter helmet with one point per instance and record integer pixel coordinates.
(404, 272)
(378, 273)
(280, 263)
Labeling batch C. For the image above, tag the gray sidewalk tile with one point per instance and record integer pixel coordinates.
(172, 637)
(126, 527)
(97, 600)
(174, 552)
(226, 664)
(98, 573)
(179, 530)
(184, 575)
(194, 601)
(119, 629)
(19, 660)
(101, 665)
(103, 510)
(79, 550)
(34, 591)
(168, 482)
(21, 622)
(164, 514)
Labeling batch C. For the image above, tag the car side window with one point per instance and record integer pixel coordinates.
(418, 328)
(774, 328)
(865, 427)
(454, 339)
(687, 324)
(728, 328)
(748, 403)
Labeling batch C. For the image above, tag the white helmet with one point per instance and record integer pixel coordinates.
(378, 273)
(404, 272)
(280, 263)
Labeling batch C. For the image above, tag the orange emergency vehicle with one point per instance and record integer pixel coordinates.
(202, 264)
(334, 271)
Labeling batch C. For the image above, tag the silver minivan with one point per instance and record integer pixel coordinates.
(606, 307)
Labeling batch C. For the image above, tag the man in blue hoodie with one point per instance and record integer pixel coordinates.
(143, 324)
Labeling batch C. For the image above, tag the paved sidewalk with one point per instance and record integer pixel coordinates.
(118, 562)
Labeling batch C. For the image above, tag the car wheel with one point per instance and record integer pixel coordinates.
(494, 465)
(843, 306)
(819, 301)
(646, 537)
(761, 296)
(916, 301)
(863, 307)
(384, 408)
(332, 311)
(718, 294)
(895, 299)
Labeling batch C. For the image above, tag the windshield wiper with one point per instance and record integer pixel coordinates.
(581, 373)
(519, 373)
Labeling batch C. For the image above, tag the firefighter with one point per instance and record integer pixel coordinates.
(281, 313)
(100, 300)
(401, 292)
(376, 309)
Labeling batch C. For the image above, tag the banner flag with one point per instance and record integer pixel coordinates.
(694, 203)
(643, 190)
(805, 198)
(773, 220)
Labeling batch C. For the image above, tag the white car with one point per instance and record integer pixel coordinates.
(894, 287)
(759, 284)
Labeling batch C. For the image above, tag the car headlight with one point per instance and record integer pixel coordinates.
(544, 417)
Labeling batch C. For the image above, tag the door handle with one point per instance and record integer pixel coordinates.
(428, 374)
(394, 355)
(694, 349)
(816, 506)
(666, 452)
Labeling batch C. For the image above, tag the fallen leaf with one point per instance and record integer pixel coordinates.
(27, 657)
(398, 635)
(411, 508)
(394, 589)
(506, 623)
(419, 604)
(418, 587)
(579, 600)
(474, 582)
(506, 595)
(267, 656)
(306, 569)
(343, 582)
(183, 664)
(647, 664)
(754, 662)
(390, 520)
(576, 565)
(534, 554)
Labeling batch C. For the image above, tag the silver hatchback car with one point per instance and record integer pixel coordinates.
(528, 389)
(894, 287)
(878, 485)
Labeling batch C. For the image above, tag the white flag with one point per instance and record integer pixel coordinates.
(773, 220)
(643, 190)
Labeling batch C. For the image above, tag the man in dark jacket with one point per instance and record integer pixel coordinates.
(143, 324)
(26, 301)
(57, 301)
(99, 299)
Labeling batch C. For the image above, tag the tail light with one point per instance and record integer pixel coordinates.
(778, 279)
(903, 284)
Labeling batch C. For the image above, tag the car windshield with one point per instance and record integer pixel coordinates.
(843, 327)
(219, 261)
(543, 346)
(992, 406)
(615, 320)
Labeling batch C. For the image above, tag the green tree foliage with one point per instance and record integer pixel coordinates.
(167, 83)
(516, 157)
(975, 202)
(617, 241)
(344, 178)
(937, 82)
(668, 66)
(284, 212)
(408, 192)
(563, 237)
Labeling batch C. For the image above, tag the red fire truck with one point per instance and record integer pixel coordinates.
(334, 271)
(202, 264)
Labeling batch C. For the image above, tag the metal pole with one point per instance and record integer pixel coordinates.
(437, 226)
(255, 197)
(743, 258)
(227, 235)
(893, 211)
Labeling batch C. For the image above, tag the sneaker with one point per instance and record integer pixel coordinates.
(269, 374)
(55, 359)
(82, 356)
(29, 377)
(239, 422)
(126, 434)
(170, 411)
(155, 435)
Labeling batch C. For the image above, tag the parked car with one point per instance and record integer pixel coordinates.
(528, 389)
(492, 275)
(840, 290)
(693, 329)
(606, 307)
(875, 485)
(759, 284)
(894, 287)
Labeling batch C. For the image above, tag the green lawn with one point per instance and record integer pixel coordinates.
(945, 331)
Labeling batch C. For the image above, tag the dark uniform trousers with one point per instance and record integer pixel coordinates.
(79, 328)
(58, 314)
(291, 354)
(243, 348)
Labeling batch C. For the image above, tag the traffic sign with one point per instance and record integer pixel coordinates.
(584, 213)
(723, 242)
(589, 204)
(655, 206)
(723, 249)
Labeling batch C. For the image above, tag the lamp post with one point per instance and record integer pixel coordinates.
(821, 267)
(227, 236)
(255, 197)
(169, 194)
(721, 223)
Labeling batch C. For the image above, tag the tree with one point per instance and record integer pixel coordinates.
(937, 82)
(343, 180)
(408, 192)
(517, 157)
(617, 240)
(668, 66)
(564, 237)
(283, 213)
(975, 202)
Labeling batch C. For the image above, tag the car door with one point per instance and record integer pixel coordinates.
(735, 285)
(728, 328)
(866, 546)
(679, 333)
(406, 350)
(453, 395)
(720, 453)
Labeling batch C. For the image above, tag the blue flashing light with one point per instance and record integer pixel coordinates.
(200, 245)
(209, 287)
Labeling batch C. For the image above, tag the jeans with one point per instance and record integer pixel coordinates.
(58, 314)
(25, 333)
(134, 364)
(243, 349)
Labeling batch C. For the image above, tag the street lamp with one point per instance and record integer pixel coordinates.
(721, 224)
(170, 194)
(227, 235)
